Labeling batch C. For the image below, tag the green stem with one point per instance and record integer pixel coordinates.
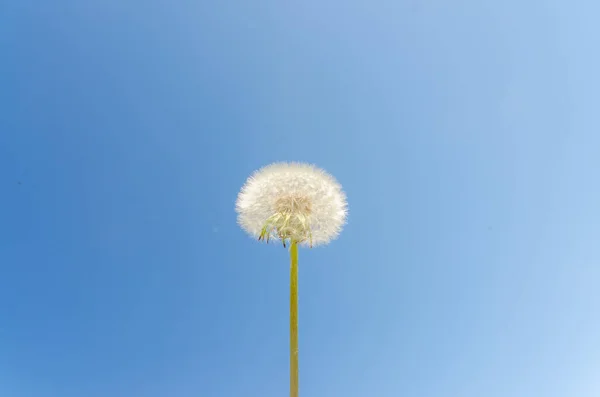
(294, 320)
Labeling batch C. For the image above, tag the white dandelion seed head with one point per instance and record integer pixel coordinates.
(292, 201)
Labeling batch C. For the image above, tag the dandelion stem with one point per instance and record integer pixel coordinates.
(294, 320)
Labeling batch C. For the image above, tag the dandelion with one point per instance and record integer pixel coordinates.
(297, 204)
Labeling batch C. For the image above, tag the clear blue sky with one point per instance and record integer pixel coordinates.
(465, 133)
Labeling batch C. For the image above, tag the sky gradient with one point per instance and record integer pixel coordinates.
(465, 134)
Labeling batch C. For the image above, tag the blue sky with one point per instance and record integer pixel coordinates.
(465, 134)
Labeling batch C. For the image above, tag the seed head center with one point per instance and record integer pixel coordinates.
(291, 219)
(292, 205)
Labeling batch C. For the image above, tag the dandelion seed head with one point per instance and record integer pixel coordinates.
(292, 201)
